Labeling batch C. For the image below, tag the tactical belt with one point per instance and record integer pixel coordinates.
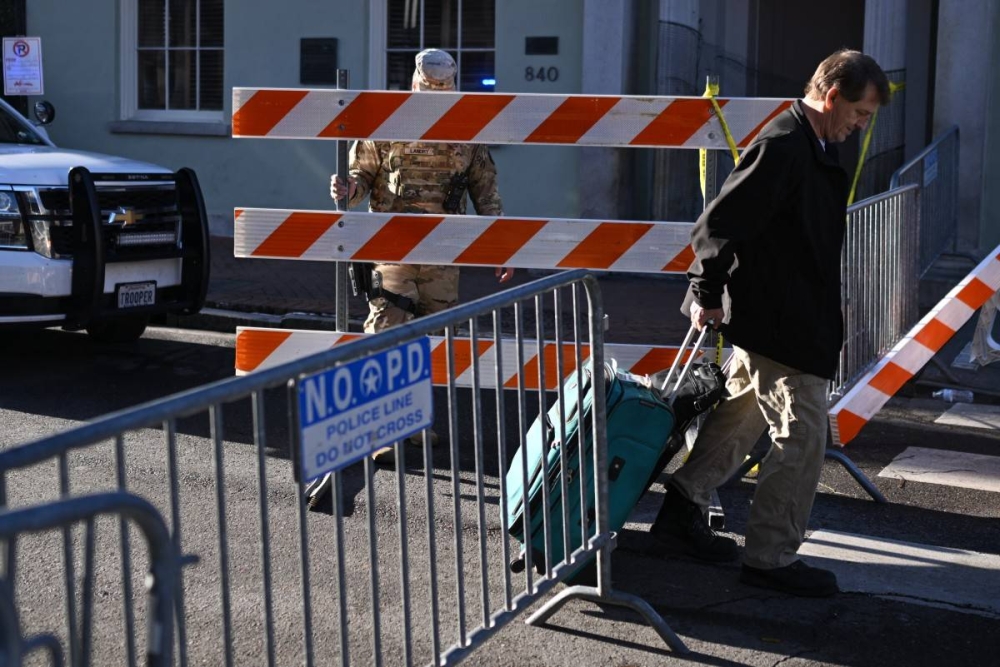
(366, 280)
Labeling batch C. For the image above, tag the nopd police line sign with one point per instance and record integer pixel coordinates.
(347, 412)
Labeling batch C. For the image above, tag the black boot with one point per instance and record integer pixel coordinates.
(798, 579)
(681, 523)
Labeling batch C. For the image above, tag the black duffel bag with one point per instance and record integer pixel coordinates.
(702, 388)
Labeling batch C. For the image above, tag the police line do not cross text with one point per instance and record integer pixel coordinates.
(349, 411)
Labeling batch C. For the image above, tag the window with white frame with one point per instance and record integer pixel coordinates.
(464, 28)
(173, 52)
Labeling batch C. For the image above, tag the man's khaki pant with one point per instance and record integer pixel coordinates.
(792, 406)
(432, 288)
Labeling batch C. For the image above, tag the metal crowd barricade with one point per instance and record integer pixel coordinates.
(226, 484)
(879, 279)
(879, 294)
(62, 514)
(935, 170)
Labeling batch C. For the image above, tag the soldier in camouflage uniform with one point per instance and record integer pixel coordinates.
(416, 177)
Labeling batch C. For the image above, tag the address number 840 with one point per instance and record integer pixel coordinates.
(541, 73)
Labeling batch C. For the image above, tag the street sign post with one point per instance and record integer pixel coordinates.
(22, 66)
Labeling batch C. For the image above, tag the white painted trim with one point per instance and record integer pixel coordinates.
(129, 22)
(178, 115)
(377, 17)
(129, 67)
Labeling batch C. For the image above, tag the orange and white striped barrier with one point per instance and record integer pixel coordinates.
(259, 348)
(919, 345)
(470, 240)
(498, 118)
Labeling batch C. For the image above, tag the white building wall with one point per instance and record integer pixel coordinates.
(989, 227)
(964, 70)
(605, 22)
(540, 181)
(885, 33)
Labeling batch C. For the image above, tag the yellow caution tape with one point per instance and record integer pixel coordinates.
(893, 89)
(711, 91)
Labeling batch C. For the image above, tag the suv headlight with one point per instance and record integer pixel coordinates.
(12, 232)
(41, 237)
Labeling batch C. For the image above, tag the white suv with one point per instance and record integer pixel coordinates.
(91, 241)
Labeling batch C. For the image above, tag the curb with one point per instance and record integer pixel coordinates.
(225, 321)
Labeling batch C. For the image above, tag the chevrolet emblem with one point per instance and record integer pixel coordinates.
(125, 215)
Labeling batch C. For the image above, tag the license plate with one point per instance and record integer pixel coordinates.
(136, 295)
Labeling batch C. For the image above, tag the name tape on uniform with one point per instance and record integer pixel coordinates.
(347, 412)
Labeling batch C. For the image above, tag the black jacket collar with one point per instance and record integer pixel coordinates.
(829, 156)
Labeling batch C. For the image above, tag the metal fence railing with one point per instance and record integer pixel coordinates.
(935, 170)
(879, 279)
(275, 583)
(63, 514)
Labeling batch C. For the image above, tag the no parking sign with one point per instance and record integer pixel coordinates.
(22, 66)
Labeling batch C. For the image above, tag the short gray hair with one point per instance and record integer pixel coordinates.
(850, 72)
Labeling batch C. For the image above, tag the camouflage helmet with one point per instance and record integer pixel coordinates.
(435, 70)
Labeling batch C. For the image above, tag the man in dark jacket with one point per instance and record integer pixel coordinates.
(773, 238)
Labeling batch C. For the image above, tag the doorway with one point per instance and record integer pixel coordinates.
(790, 38)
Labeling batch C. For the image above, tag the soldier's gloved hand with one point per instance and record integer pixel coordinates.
(504, 273)
(340, 189)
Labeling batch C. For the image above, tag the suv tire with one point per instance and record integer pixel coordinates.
(120, 330)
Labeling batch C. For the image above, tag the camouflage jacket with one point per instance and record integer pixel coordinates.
(416, 177)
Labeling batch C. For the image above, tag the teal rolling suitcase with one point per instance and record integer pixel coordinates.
(639, 426)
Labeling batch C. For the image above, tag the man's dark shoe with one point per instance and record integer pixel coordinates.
(797, 579)
(682, 524)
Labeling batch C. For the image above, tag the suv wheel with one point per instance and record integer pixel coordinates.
(121, 330)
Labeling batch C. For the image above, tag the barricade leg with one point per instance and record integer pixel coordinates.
(607, 596)
(855, 472)
(831, 454)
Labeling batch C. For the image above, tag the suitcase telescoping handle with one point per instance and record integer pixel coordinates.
(680, 356)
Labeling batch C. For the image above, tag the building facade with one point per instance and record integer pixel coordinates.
(153, 79)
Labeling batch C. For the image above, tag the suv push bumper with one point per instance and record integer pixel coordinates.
(88, 302)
